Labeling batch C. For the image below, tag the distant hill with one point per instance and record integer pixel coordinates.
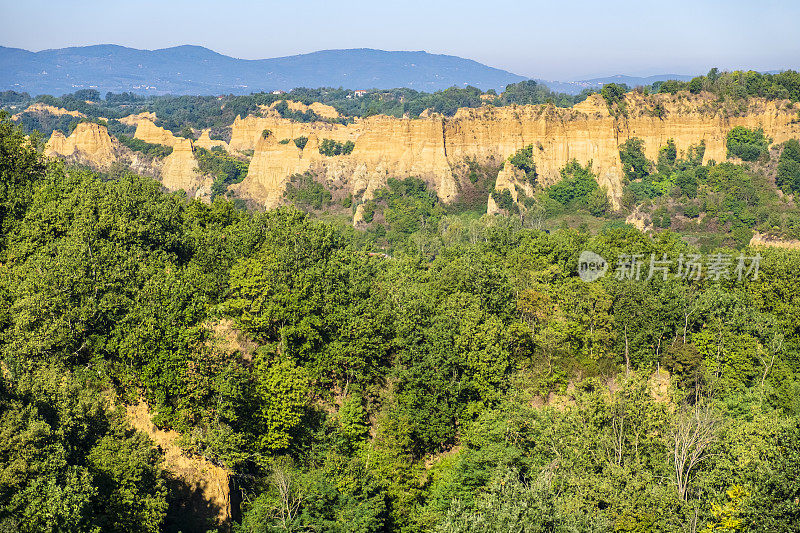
(198, 70)
(575, 87)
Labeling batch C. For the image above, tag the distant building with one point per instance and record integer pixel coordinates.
(278, 92)
(359, 93)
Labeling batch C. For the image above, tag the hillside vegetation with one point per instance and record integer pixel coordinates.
(463, 379)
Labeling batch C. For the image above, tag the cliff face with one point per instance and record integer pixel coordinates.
(40, 107)
(384, 147)
(180, 171)
(89, 144)
(435, 148)
(147, 131)
(431, 148)
(205, 141)
(133, 120)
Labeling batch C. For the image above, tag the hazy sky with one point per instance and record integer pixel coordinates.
(549, 39)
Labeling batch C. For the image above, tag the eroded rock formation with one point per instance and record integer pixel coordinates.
(40, 107)
(180, 171)
(436, 147)
(431, 148)
(89, 144)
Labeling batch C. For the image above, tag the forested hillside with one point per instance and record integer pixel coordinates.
(197, 70)
(467, 380)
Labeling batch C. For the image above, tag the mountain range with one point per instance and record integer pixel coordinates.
(197, 70)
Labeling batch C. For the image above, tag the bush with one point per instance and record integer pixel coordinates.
(672, 86)
(576, 186)
(331, 148)
(408, 206)
(523, 160)
(746, 144)
(301, 142)
(504, 200)
(661, 218)
(530, 92)
(187, 133)
(305, 192)
(225, 168)
(634, 163)
(598, 203)
(148, 149)
(368, 211)
(788, 176)
(613, 93)
(283, 110)
(666, 157)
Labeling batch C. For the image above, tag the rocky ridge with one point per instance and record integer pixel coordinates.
(434, 148)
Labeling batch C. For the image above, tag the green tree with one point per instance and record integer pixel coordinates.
(283, 389)
(788, 176)
(746, 144)
(634, 163)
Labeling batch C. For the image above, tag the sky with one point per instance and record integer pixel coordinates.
(555, 40)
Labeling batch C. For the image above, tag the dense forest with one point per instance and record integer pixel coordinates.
(438, 371)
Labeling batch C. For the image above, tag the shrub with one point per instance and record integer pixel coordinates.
(504, 200)
(304, 191)
(225, 168)
(695, 85)
(598, 202)
(146, 148)
(368, 211)
(634, 163)
(788, 176)
(187, 133)
(576, 186)
(661, 218)
(613, 93)
(673, 86)
(746, 144)
(666, 157)
(331, 148)
(523, 160)
(301, 142)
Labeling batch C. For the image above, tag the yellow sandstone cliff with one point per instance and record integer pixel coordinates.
(384, 147)
(435, 148)
(133, 120)
(432, 148)
(40, 107)
(180, 171)
(148, 132)
(205, 141)
(89, 143)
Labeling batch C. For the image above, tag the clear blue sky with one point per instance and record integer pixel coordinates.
(549, 39)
